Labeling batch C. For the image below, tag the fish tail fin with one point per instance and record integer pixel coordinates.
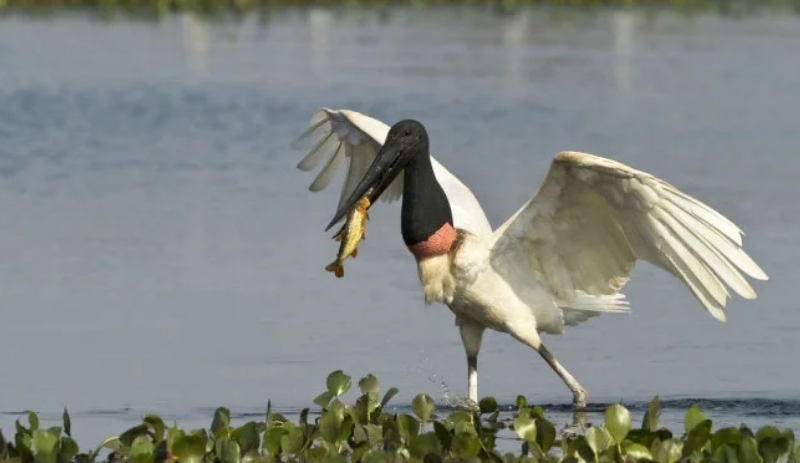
(335, 267)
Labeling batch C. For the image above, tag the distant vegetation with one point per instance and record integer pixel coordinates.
(159, 8)
(366, 431)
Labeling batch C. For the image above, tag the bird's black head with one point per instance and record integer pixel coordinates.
(406, 142)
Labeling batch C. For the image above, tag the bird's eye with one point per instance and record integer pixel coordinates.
(406, 133)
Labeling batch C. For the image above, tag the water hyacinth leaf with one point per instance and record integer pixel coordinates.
(692, 418)
(272, 439)
(324, 399)
(578, 447)
(545, 434)
(173, 434)
(67, 422)
(636, 451)
(388, 396)
(346, 428)
(44, 443)
(598, 439)
(724, 436)
(358, 453)
(112, 443)
(127, 437)
(268, 418)
(330, 422)
(189, 448)
(465, 445)
(424, 444)
(374, 433)
(726, 453)
(3, 446)
(767, 432)
(208, 444)
(371, 402)
(142, 449)
(457, 417)
(222, 419)
(773, 449)
(22, 446)
(338, 383)
(525, 426)
(375, 456)
(663, 434)
(409, 427)
(156, 425)
(748, 451)
(650, 419)
(487, 405)
(368, 384)
(228, 451)
(33, 421)
(292, 440)
(464, 426)
(20, 428)
(69, 448)
(359, 434)
(617, 422)
(444, 434)
(391, 437)
(697, 438)
(423, 407)
(521, 402)
(668, 451)
(246, 436)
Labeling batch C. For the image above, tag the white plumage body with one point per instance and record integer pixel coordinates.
(563, 257)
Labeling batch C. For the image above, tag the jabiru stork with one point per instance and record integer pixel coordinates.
(561, 259)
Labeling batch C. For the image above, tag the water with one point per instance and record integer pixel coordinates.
(161, 253)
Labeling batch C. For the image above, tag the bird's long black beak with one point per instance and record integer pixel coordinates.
(384, 169)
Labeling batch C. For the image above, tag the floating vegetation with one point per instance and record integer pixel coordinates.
(365, 431)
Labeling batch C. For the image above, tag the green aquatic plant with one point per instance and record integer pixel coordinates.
(365, 431)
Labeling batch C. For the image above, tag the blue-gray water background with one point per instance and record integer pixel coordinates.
(159, 252)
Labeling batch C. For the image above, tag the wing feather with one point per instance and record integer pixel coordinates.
(354, 139)
(326, 173)
(593, 218)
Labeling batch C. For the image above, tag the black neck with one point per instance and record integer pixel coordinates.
(425, 206)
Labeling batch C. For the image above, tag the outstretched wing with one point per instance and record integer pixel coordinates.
(593, 218)
(344, 137)
(352, 138)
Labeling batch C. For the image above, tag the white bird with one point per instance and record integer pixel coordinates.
(559, 260)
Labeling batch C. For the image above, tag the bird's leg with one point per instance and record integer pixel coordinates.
(578, 392)
(471, 335)
(527, 334)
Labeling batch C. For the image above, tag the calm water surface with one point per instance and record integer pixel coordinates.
(161, 253)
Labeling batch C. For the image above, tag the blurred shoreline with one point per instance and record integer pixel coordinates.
(237, 9)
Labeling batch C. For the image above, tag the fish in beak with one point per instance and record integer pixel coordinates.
(350, 235)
